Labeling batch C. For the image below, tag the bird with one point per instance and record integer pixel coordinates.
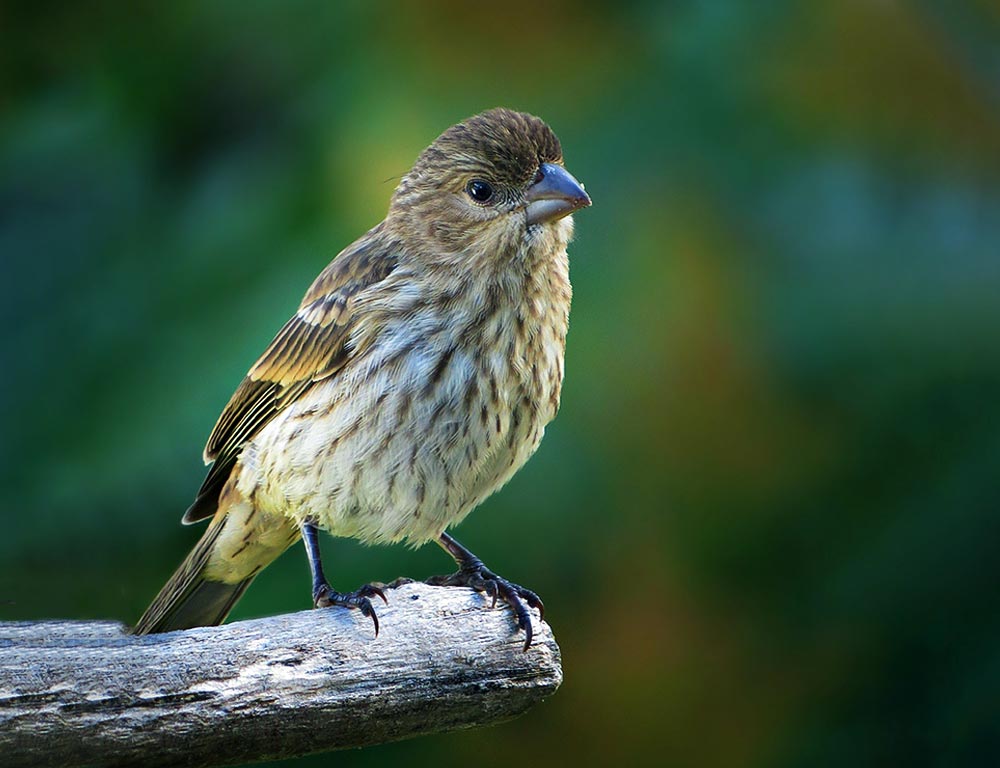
(415, 379)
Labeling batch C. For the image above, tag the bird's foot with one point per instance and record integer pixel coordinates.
(482, 579)
(325, 596)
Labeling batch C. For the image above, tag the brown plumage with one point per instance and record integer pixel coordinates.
(415, 378)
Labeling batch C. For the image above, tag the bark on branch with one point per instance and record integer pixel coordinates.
(84, 693)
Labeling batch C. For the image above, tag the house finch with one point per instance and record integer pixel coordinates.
(415, 379)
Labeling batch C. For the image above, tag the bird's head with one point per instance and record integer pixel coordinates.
(492, 185)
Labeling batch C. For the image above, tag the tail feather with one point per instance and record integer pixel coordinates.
(207, 604)
(189, 599)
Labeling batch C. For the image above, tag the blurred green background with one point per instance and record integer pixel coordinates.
(765, 522)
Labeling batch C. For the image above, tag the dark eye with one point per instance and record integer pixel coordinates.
(479, 190)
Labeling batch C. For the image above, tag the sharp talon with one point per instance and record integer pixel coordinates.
(370, 590)
(534, 601)
(523, 621)
(326, 597)
(366, 608)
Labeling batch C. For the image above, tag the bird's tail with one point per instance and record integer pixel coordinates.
(213, 577)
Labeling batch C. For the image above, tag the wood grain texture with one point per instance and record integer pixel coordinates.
(84, 693)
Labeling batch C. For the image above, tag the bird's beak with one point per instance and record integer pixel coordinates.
(554, 195)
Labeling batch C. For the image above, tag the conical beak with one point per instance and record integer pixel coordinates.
(554, 195)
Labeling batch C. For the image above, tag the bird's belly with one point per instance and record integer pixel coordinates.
(399, 452)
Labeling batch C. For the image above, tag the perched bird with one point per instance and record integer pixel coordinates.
(416, 378)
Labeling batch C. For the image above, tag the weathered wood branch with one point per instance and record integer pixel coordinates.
(84, 693)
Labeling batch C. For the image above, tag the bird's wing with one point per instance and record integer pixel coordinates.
(312, 346)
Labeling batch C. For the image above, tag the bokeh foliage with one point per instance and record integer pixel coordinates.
(765, 523)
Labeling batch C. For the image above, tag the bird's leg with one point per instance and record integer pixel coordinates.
(323, 594)
(472, 573)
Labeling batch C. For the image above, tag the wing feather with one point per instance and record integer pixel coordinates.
(311, 346)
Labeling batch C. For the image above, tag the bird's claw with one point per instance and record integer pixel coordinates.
(480, 578)
(325, 597)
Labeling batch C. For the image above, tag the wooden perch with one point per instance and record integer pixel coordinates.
(84, 693)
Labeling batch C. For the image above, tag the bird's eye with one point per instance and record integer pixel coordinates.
(479, 190)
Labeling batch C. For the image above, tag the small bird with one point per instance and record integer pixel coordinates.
(415, 379)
